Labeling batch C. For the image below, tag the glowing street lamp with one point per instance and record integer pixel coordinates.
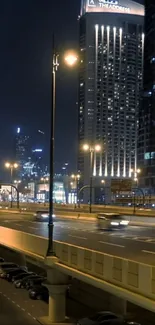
(91, 149)
(76, 179)
(135, 172)
(11, 166)
(45, 180)
(70, 59)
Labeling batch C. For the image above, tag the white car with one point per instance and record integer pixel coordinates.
(42, 216)
(111, 221)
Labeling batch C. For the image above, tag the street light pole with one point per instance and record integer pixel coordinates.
(91, 180)
(91, 149)
(55, 64)
(11, 167)
(11, 172)
(70, 59)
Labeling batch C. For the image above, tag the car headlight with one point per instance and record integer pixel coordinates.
(113, 223)
(124, 222)
(44, 215)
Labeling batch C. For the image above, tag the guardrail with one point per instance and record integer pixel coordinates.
(130, 280)
(32, 207)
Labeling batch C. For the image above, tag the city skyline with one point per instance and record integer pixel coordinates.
(25, 100)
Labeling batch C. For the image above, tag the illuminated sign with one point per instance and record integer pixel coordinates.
(113, 6)
(18, 130)
(37, 150)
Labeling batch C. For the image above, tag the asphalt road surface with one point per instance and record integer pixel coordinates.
(11, 314)
(136, 243)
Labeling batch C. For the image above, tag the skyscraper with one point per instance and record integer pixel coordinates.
(146, 143)
(21, 149)
(110, 82)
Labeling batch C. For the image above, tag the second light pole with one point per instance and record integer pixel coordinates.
(91, 149)
(70, 59)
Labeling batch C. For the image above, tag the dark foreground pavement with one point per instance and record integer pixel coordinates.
(11, 314)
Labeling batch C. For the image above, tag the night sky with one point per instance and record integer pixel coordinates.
(26, 29)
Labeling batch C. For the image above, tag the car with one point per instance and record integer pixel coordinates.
(43, 216)
(23, 282)
(1, 260)
(6, 265)
(14, 272)
(39, 292)
(6, 271)
(111, 221)
(21, 276)
(35, 281)
(98, 318)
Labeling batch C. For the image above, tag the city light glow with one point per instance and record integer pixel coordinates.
(9, 165)
(86, 147)
(97, 148)
(71, 59)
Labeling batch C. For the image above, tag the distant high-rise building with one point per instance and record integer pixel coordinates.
(21, 149)
(146, 143)
(110, 82)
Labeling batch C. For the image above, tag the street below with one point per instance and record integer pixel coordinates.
(11, 313)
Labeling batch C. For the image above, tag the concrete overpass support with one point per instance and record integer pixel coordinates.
(57, 284)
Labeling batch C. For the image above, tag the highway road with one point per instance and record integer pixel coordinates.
(136, 243)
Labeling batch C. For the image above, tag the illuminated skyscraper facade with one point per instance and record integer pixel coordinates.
(110, 82)
(21, 149)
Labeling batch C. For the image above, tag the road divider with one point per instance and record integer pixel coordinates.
(142, 221)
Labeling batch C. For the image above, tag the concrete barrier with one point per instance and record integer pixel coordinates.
(127, 279)
(28, 244)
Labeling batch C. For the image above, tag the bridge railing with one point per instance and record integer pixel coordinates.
(129, 279)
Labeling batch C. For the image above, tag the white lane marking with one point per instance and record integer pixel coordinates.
(34, 228)
(77, 237)
(148, 252)
(104, 242)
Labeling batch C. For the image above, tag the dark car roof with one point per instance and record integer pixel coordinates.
(15, 269)
(38, 278)
(3, 264)
(21, 274)
(27, 277)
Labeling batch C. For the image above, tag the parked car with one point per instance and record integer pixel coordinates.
(4, 266)
(4, 272)
(23, 282)
(39, 292)
(21, 276)
(98, 318)
(111, 221)
(34, 282)
(1, 260)
(43, 216)
(14, 272)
